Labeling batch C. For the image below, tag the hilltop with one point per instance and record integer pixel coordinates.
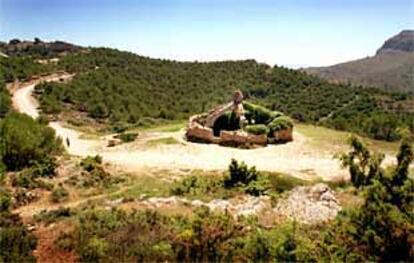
(37, 48)
(392, 68)
(404, 41)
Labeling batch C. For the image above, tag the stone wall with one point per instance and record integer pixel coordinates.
(283, 135)
(196, 132)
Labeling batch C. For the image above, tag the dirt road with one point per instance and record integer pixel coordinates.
(298, 158)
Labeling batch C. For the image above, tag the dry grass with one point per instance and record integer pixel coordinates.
(330, 139)
(162, 141)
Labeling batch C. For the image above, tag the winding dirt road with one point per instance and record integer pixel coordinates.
(298, 158)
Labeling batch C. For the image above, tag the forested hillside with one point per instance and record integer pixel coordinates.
(21, 68)
(117, 87)
(28, 148)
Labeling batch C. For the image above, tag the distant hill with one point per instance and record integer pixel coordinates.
(37, 48)
(392, 68)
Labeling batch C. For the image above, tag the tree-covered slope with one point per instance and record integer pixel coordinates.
(121, 87)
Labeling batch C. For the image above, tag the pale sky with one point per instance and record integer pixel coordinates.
(290, 33)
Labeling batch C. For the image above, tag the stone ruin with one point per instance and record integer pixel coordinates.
(245, 118)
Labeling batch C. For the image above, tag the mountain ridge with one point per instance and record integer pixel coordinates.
(391, 68)
(404, 41)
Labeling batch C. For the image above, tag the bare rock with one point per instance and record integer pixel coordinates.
(309, 204)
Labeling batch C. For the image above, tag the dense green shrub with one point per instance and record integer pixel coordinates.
(23, 141)
(45, 167)
(203, 236)
(5, 200)
(5, 100)
(240, 174)
(260, 114)
(94, 174)
(16, 242)
(258, 187)
(257, 129)
(196, 185)
(280, 123)
(364, 166)
(21, 68)
(52, 216)
(383, 228)
(25, 180)
(90, 163)
(59, 194)
(127, 136)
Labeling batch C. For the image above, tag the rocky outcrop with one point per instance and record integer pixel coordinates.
(404, 41)
(314, 204)
(244, 206)
(309, 204)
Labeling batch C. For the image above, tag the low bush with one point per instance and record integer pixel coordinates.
(196, 185)
(45, 167)
(257, 129)
(52, 216)
(203, 236)
(26, 179)
(120, 127)
(5, 200)
(94, 174)
(59, 194)
(127, 136)
(280, 123)
(16, 242)
(258, 187)
(240, 174)
(5, 100)
(260, 114)
(251, 181)
(89, 163)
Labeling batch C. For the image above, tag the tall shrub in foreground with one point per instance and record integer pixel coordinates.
(24, 141)
(383, 228)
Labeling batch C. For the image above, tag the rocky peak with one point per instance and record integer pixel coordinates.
(404, 41)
